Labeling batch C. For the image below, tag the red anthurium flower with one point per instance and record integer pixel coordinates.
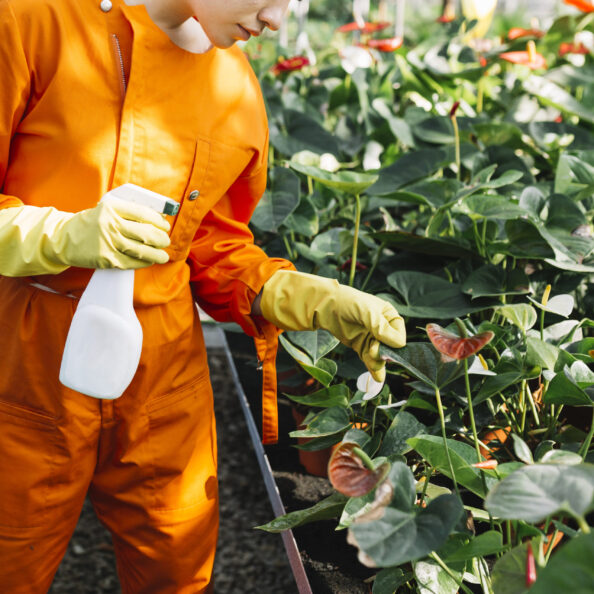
(518, 33)
(573, 48)
(386, 45)
(530, 57)
(583, 5)
(530, 566)
(486, 464)
(454, 346)
(290, 64)
(348, 473)
(365, 28)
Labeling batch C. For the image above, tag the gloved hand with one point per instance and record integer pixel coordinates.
(298, 301)
(113, 234)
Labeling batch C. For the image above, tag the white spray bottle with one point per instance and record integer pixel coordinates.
(104, 342)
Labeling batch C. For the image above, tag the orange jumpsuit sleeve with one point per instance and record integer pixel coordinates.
(227, 271)
(15, 80)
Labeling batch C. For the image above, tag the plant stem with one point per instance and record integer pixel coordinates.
(460, 583)
(310, 188)
(582, 523)
(533, 406)
(374, 264)
(445, 440)
(288, 248)
(457, 146)
(473, 424)
(364, 457)
(586, 445)
(355, 240)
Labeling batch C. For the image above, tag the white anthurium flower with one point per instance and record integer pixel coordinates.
(328, 162)
(586, 38)
(393, 405)
(371, 158)
(369, 387)
(353, 57)
(477, 368)
(306, 158)
(303, 48)
(562, 305)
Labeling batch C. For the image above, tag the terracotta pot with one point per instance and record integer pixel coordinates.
(315, 462)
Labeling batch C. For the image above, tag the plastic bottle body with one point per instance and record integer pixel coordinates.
(104, 343)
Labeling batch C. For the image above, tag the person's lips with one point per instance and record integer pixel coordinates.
(245, 34)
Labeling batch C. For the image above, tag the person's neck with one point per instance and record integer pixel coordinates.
(175, 19)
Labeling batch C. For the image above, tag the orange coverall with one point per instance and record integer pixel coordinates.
(90, 100)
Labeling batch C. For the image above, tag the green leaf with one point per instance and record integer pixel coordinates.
(323, 370)
(541, 353)
(304, 219)
(387, 581)
(494, 207)
(569, 570)
(432, 578)
(424, 362)
(402, 428)
(521, 315)
(350, 182)
(551, 94)
(509, 572)
(521, 450)
(431, 297)
(406, 534)
(488, 543)
(409, 167)
(316, 344)
(431, 448)
(418, 244)
(495, 384)
(279, 201)
(335, 395)
(328, 508)
(327, 422)
(534, 492)
(492, 281)
(563, 389)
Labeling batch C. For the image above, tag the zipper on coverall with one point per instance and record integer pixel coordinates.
(120, 59)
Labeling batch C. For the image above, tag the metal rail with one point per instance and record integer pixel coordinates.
(273, 493)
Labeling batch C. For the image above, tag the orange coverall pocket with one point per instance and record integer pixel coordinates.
(28, 443)
(181, 448)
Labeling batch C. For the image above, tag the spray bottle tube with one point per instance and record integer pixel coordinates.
(104, 342)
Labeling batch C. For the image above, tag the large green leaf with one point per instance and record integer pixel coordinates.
(487, 543)
(569, 570)
(431, 448)
(491, 281)
(387, 581)
(564, 389)
(408, 168)
(322, 370)
(350, 182)
(424, 362)
(494, 207)
(534, 492)
(328, 422)
(299, 132)
(304, 219)
(405, 532)
(418, 244)
(431, 578)
(328, 508)
(316, 344)
(279, 201)
(432, 297)
(402, 428)
(335, 395)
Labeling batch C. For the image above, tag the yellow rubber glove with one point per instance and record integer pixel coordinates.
(113, 234)
(299, 301)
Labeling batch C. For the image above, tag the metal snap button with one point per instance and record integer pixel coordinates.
(105, 5)
(193, 195)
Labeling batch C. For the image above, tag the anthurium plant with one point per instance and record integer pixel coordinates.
(458, 184)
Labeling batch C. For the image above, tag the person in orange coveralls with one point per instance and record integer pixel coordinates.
(95, 94)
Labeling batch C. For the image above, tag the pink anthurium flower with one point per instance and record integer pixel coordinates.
(573, 48)
(290, 65)
(530, 57)
(454, 346)
(365, 28)
(351, 471)
(390, 44)
(519, 32)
